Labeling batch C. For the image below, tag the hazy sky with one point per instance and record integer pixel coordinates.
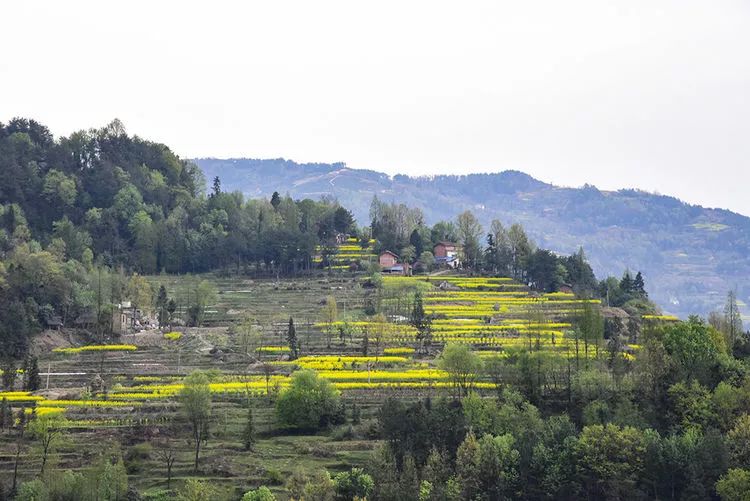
(650, 94)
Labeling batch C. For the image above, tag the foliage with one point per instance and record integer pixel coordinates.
(195, 397)
(309, 403)
(260, 494)
(353, 484)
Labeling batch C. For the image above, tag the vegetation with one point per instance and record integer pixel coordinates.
(296, 371)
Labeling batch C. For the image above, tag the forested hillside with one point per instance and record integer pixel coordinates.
(692, 254)
(80, 213)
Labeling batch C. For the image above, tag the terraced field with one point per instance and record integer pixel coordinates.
(129, 391)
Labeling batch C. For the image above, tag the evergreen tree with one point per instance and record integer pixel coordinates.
(420, 321)
(626, 284)
(275, 200)
(216, 186)
(162, 303)
(639, 286)
(31, 378)
(291, 339)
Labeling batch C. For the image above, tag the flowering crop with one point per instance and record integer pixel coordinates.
(97, 347)
(173, 336)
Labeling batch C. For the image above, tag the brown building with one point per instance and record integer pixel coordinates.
(387, 259)
(445, 249)
(447, 254)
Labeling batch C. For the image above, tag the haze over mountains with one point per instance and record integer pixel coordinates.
(691, 255)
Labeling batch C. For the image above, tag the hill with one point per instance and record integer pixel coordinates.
(693, 255)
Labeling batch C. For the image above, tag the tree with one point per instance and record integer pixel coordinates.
(203, 295)
(738, 441)
(198, 490)
(734, 485)
(329, 314)
(428, 260)
(140, 292)
(610, 460)
(352, 485)
(9, 374)
(519, 250)
(469, 232)
(216, 190)
(31, 378)
(309, 403)
(461, 364)
(109, 477)
(275, 200)
(47, 430)
(162, 305)
(167, 453)
(291, 340)
(732, 319)
(195, 398)
(260, 494)
(639, 286)
(248, 433)
(420, 321)
(249, 335)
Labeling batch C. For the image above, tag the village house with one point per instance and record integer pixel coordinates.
(389, 263)
(447, 254)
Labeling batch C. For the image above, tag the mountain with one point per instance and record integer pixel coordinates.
(690, 255)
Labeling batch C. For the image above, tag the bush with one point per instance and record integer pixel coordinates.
(354, 484)
(309, 403)
(261, 494)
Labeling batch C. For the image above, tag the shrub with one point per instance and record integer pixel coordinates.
(260, 494)
(309, 403)
(354, 484)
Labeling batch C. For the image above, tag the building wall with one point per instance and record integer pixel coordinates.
(442, 250)
(386, 260)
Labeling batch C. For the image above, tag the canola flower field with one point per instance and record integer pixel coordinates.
(497, 316)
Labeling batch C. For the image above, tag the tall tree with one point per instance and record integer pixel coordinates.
(732, 319)
(469, 232)
(291, 340)
(195, 398)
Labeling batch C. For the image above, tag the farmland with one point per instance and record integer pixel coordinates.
(141, 374)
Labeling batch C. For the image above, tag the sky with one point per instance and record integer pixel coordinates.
(646, 94)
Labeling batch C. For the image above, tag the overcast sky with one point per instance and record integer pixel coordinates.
(649, 94)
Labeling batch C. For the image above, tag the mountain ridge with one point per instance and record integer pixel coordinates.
(691, 255)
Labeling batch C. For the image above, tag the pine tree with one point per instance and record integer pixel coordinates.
(275, 200)
(31, 378)
(248, 434)
(639, 286)
(626, 284)
(162, 302)
(420, 321)
(291, 339)
(217, 186)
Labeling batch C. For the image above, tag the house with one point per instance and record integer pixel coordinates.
(54, 322)
(447, 254)
(86, 320)
(124, 318)
(387, 259)
(389, 263)
(566, 288)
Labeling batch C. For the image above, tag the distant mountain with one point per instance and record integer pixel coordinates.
(691, 255)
